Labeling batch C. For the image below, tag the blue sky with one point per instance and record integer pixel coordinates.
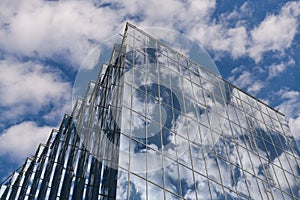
(255, 44)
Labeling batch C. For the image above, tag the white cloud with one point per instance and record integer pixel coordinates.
(276, 32)
(255, 87)
(22, 140)
(168, 13)
(246, 80)
(291, 102)
(243, 80)
(276, 69)
(289, 94)
(46, 29)
(28, 83)
(70, 29)
(219, 38)
(229, 34)
(26, 87)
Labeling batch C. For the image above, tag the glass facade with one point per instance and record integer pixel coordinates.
(156, 125)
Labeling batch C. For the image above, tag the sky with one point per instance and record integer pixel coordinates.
(255, 44)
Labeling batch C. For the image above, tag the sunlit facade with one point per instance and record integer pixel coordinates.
(156, 125)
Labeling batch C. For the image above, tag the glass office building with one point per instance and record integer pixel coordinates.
(157, 125)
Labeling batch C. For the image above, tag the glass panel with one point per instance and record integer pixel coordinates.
(138, 187)
(154, 167)
(187, 182)
(171, 176)
(201, 186)
(122, 187)
(154, 192)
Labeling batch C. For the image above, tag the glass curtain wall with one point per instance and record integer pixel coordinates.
(157, 125)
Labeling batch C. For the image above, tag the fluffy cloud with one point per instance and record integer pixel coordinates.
(255, 87)
(168, 13)
(291, 102)
(70, 29)
(26, 87)
(245, 79)
(22, 139)
(28, 83)
(48, 29)
(242, 80)
(219, 38)
(276, 32)
(276, 69)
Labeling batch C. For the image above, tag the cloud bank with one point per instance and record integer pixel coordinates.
(22, 139)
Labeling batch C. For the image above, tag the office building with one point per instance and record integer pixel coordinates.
(157, 125)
